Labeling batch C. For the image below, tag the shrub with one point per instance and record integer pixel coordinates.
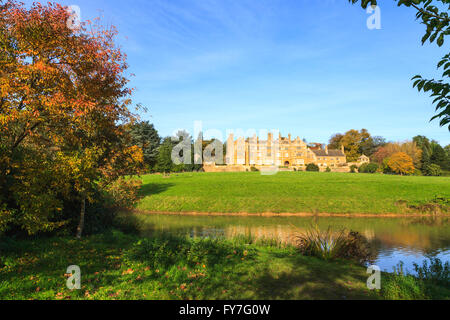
(385, 166)
(123, 193)
(373, 168)
(328, 169)
(353, 168)
(254, 169)
(433, 170)
(399, 286)
(157, 252)
(165, 251)
(312, 167)
(102, 212)
(362, 168)
(329, 245)
(435, 272)
(6, 217)
(368, 168)
(430, 283)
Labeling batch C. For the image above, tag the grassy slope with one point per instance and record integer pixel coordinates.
(289, 192)
(35, 270)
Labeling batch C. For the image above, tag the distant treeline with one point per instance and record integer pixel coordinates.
(420, 155)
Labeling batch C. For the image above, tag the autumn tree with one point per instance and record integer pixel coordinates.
(401, 163)
(356, 143)
(408, 147)
(335, 141)
(381, 154)
(370, 145)
(63, 115)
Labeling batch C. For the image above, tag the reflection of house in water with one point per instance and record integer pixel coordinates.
(281, 233)
(406, 239)
(369, 234)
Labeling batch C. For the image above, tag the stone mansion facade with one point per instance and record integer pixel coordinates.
(282, 152)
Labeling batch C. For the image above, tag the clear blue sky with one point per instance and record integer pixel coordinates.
(309, 67)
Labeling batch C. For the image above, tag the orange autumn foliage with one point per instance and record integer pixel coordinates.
(64, 110)
(401, 163)
(408, 147)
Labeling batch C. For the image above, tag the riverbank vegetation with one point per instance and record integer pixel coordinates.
(333, 244)
(115, 265)
(294, 192)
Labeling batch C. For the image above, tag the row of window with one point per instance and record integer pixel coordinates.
(331, 159)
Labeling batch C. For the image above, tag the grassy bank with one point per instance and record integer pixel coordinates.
(291, 192)
(118, 266)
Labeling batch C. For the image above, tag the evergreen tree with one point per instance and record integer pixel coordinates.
(164, 162)
(424, 144)
(439, 156)
(145, 136)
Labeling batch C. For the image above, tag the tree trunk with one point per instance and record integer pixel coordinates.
(81, 224)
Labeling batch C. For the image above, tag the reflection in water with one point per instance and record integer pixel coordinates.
(410, 240)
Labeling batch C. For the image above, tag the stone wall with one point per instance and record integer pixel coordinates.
(236, 168)
(239, 168)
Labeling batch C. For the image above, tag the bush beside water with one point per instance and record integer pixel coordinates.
(431, 282)
(330, 245)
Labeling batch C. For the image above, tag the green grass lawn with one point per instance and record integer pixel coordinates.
(118, 266)
(288, 192)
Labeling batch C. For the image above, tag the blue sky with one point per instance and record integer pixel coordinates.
(308, 67)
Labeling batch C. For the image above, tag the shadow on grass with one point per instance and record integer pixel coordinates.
(312, 279)
(154, 188)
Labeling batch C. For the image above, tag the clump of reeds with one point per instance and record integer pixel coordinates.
(330, 244)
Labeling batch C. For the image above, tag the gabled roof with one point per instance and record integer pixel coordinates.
(331, 153)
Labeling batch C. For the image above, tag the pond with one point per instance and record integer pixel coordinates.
(410, 240)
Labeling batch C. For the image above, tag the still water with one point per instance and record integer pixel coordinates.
(410, 240)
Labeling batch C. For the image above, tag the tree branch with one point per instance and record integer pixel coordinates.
(24, 135)
(431, 14)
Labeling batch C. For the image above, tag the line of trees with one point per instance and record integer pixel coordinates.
(420, 155)
(158, 151)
